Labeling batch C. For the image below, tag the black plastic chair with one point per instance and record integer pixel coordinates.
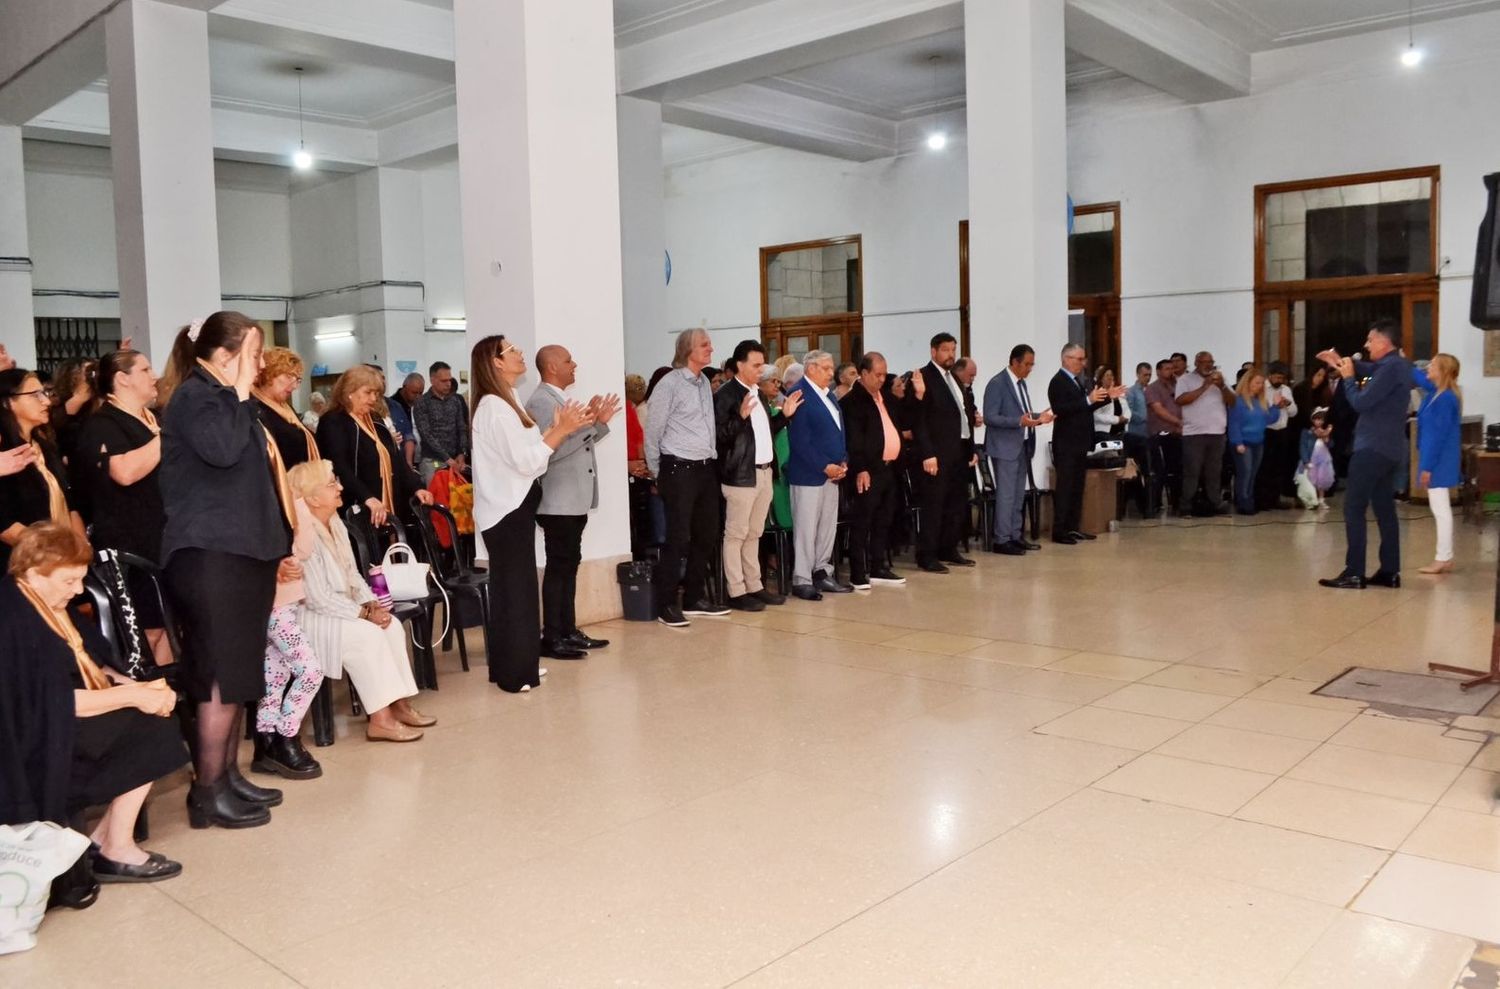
(454, 571)
(982, 501)
(416, 615)
(780, 539)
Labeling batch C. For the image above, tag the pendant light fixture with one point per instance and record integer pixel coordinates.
(302, 159)
(937, 140)
(1412, 57)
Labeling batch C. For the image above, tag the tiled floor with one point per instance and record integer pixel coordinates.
(1095, 766)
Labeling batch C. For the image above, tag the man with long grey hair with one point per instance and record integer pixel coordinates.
(682, 454)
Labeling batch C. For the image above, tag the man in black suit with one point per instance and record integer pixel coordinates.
(940, 431)
(874, 444)
(1073, 397)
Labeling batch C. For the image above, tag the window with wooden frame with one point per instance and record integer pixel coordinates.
(1094, 280)
(1334, 254)
(812, 298)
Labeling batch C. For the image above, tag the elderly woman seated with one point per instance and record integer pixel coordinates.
(348, 629)
(74, 734)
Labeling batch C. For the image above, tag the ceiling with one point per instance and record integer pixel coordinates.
(1258, 25)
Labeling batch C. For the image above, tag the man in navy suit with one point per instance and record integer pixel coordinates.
(1073, 397)
(1010, 422)
(816, 463)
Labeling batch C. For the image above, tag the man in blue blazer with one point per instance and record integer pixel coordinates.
(1010, 422)
(817, 461)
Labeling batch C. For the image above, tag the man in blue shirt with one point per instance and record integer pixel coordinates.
(1381, 395)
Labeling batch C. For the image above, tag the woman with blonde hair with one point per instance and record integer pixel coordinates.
(1249, 417)
(352, 435)
(1437, 449)
(272, 399)
(347, 628)
(510, 453)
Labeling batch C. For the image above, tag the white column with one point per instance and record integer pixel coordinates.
(16, 313)
(643, 235)
(540, 190)
(162, 148)
(1018, 171)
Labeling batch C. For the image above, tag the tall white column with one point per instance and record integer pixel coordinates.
(540, 190)
(162, 149)
(17, 318)
(643, 235)
(1018, 172)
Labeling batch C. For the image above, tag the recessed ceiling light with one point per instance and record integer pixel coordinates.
(937, 141)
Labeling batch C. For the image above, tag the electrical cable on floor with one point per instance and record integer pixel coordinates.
(1410, 514)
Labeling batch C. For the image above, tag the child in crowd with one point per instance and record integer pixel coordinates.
(1315, 475)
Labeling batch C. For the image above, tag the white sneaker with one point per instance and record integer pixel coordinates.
(896, 581)
(861, 586)
(541, 671)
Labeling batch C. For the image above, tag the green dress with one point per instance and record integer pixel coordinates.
(781, 495)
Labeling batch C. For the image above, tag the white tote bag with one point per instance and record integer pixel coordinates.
(407, 580)
(31, 856)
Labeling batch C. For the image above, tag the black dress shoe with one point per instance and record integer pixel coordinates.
(830, 586)
(1082, 535)
(932, 566)
(1030, 547)
(1065, 540)
(957, 560)
(747, 602)
(1344, 582)
(250, 793)
(217, 806)
(1381, 578)
(806, 592)
(671, 616)
(562, 649)
(1009, 549)
(578, 640)
(767, 596)
(153, 870)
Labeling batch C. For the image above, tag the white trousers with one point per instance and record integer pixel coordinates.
(376, 663)
(1442, 514)
(815, 520)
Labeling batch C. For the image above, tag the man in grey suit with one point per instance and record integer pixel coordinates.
(569, 489)
(1010, 422)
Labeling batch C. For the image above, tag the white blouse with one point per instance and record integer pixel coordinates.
(508, 458)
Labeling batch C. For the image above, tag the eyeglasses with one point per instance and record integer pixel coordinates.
(44, 392)
(509, 349)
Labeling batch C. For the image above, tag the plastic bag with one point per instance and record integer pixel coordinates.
(31, 856)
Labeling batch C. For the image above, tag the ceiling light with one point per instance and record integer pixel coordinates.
(937, 141)
(1411, 57)
(450, 323)
(302, 159)
(334, 335)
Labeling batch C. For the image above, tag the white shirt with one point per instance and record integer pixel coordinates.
(761, 424)
(1273, 395)
(1206, 415)
(508, 458)
(833, 407)
(958, 396)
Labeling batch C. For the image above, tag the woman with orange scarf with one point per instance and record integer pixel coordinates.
(74, 735)
(372, 471)
(39, 491)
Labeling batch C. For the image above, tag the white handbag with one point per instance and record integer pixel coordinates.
(31, 856)
(407, 580)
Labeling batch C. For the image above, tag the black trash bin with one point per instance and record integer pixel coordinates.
(637, 590)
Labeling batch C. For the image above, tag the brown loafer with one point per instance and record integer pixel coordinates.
(413, 718)
(400, 733)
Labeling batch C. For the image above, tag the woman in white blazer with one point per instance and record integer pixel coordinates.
(348, 629)
(510, 453)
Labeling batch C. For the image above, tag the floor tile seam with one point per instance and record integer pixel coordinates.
(263, 957)
(1404, 836)
(1368, 793)
(895, 893)
(932, 679)
(1172, 803)
(1379, 752)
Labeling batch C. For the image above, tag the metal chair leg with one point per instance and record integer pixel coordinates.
(322, 712)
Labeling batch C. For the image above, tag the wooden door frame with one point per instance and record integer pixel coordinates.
(1410, 292)
(849, 325)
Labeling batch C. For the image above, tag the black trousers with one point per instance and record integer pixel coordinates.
(1372, 484)
(563, 540)
(689, 490)
(870, 517)
(1067, 497)
(515, 644)
(943, 498)
(1276, 469)
(1166, 470)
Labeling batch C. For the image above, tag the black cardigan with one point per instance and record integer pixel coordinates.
(290, 439)
(24, 497)
(216, 475)
(357, 464)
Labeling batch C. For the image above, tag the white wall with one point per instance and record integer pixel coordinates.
(721, 212)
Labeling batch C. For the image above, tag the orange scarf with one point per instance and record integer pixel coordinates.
(387, 483)
(62, 624)
(291, 417)
(145, 416)
(57, 502)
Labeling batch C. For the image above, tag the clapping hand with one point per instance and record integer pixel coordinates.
(6, 361)
(1118, 391)
(919, 386)
(791, 404)
(1099, 394)
(604, 408)
(1330, 357)
(573, 416)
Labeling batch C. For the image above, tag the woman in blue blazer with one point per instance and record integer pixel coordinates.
(1437, 448)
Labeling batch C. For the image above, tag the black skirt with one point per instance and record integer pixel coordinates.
(116, 752)
(223, 601)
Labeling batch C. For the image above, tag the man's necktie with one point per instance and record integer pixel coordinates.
(1026, 407)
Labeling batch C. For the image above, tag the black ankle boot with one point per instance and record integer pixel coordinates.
(291, 759)
(249, 792)
(262, 762)
(216, 805)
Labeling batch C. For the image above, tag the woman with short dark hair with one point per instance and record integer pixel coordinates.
(38, 492)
